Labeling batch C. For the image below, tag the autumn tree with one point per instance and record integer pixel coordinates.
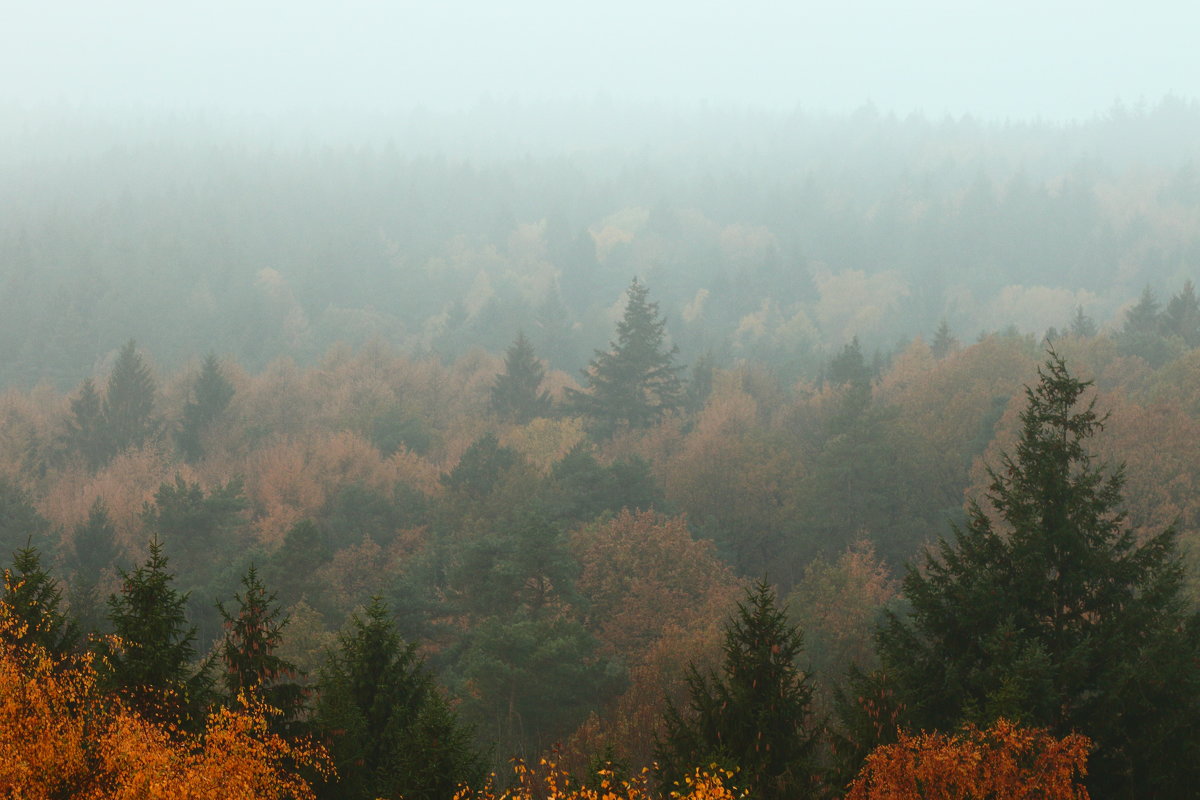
(128, 409)
(153, 661)
(1045, 608)
(253, 667)
(753, 715)
(1003, 762)
(635, 381)
(211, 393)
(390, 731)
(517, 395)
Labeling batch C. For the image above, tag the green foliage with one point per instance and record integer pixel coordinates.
(292, 568)
(153, 663)
(586, 488)
(129, 403)
(211, 394)
(86, 430)
(754, 715)
(253, 633)
(34, 598)
(517, 395)
(390, 731)
(95, 542)
(20, 523)
(1057, 617)
(481, 465)
(634, 383)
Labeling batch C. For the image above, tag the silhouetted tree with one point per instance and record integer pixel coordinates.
(517, 395)
(211, 394)
(634, 382)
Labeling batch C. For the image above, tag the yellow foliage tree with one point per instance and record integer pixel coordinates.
(549, 781)
(1003, 762)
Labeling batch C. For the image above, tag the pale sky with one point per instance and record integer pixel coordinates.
(1008, 59)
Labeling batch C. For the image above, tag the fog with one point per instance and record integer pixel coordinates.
(1016, 60)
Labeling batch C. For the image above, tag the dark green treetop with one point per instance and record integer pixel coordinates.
(517, 395)
(153, 663)
(253, 633)
(1051, 613)
(635, 381)
(34, 599)
(754, 716)
(211, 394)
(129, 402)
(390, 730)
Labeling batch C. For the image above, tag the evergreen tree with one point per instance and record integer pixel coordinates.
(153, 662)
(1055, 615)
(129, 402)
(754, 716)
(943, 343)
(390, 731)
(480, 467)
(1082, 326)
(95, 543)
(211, 395)
(86, 433)
(634, 382)
(517, 395)
(33, 597)
(253, 633)
(20, 523)
(1182, 316)
(1142, 334)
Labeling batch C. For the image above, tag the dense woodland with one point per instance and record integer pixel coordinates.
(796, 512)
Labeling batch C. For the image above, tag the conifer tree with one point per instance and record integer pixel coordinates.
(86, 433)
(517, 395)
(754, 716)
(635, 381)
(253, 633)
(390, 731)
(95, 542)
(211, 394)
(153, 663)
(20, 523)
(129, 402)
(1054, 614)
(1182, 316)
(33, 597)
(943, 343)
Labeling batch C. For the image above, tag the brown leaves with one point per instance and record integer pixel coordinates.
(1003, 762)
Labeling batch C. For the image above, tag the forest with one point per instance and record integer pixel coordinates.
(350, 474)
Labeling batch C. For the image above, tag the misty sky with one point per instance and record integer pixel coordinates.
(1016, 58)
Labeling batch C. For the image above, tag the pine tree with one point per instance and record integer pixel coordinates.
(211, 394)
(86, 433)
(152, 664)
(754, 716)
(253, 633)
(1182, 316)
(634, 383)
(129, 402)
(390, 731)
(517, 395)
(33, 597)
(20, 523)
(1056, 616)
(95, 542)
(944, 342)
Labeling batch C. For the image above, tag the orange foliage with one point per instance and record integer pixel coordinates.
(59, 736)
(643, 573)
(549, 781)
(1003, 762)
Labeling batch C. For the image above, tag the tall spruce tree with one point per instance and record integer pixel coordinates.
(253, 633)
(635, 381)
(34, 598)
(390, 731)
(755, 715)
(129, 402)
(86, 434)
(211, 394)
(517, 395)
(1050, 612)
(152, 664)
